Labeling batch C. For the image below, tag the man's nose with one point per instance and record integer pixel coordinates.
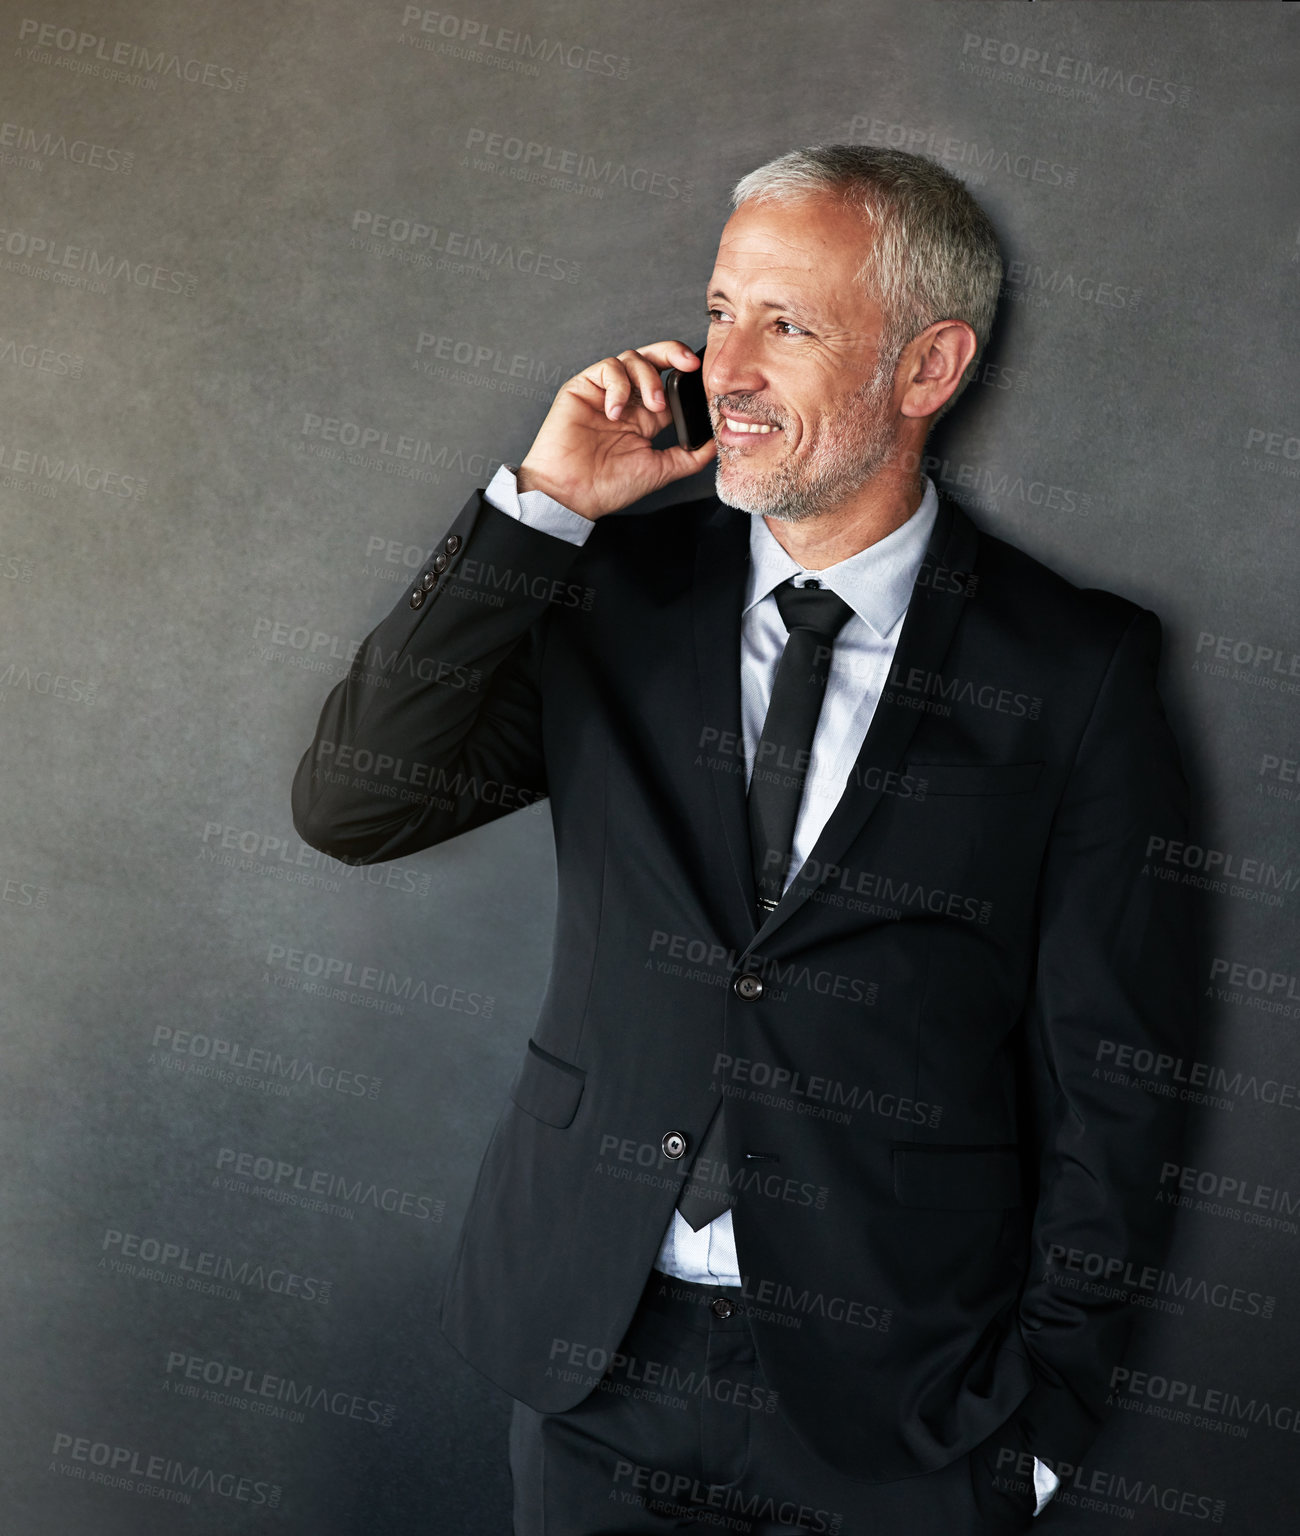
(732, 365)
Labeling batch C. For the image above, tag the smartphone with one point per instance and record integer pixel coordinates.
(689, 404)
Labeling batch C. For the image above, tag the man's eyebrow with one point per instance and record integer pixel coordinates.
(797, 310)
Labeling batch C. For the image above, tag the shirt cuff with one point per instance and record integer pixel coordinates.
(1046, 1483)
(535, 508)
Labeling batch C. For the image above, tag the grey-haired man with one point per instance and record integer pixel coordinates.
(778, 1228)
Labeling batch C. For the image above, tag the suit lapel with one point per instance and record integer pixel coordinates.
(718, 595)
(933, 614)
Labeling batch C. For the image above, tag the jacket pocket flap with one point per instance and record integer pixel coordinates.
(957, 1178)
(976, 778)
(547, 1088)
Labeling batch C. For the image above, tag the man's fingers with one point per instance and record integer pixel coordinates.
(614, 381)
(645, 378)
(681, 462)
(669, 354)
(611, 388)
(636, 371)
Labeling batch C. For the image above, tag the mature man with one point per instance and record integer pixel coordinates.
(782, 1226)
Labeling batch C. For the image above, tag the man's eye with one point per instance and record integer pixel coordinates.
(713, 314)
(790, 328)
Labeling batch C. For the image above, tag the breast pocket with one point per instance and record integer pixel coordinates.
(957, 1178)
(975, 778)
(547, 1088)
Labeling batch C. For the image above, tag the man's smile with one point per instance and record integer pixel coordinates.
(735, 429)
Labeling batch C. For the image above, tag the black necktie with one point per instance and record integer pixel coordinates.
(814, 616)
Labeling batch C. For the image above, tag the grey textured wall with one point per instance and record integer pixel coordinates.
(279, 284)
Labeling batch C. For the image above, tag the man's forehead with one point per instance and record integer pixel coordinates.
(766, 238)
(806, 248)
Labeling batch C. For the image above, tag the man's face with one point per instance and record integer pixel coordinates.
(792, 348)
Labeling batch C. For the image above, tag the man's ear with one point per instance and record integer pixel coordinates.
(932, 366)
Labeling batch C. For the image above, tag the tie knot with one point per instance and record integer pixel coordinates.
(814, 608)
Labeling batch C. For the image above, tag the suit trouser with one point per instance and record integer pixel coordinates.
(683, 1433)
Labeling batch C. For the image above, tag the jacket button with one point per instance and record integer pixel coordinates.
(439, 563)
(452, 544)
(673, 1145)
(427, 580)
(417, 598)
(721, 1307)
(749, 987)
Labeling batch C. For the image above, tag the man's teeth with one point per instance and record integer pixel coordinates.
(748, 426)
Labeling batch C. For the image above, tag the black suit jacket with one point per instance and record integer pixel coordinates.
(921, 1141)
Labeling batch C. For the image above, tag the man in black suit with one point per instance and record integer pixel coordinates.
(789, 1222)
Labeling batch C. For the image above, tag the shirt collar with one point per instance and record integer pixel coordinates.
(876, 583)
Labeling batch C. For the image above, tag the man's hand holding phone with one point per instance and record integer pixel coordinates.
(592, 453)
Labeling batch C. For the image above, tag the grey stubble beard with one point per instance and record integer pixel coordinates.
(859, 443)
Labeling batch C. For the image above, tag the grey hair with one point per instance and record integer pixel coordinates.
(934, 255)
